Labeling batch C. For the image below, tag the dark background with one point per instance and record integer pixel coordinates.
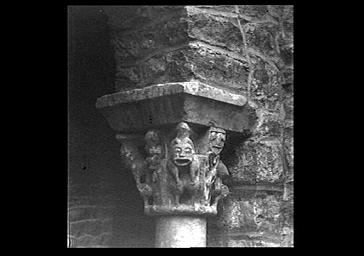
(92, 148)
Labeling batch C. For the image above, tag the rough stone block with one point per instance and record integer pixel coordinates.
(276, 11)
(214, 29)
(251, 211)
(253, 218)
(286, 52)
(288, 79)
(288, 147)
(263, 38)
(288, 107)
(149, 40)
(269, 124)
(254, 12)
(161, 68)
(287, 237)
(266, 90)
(196, 62)
(215, 67)
(287, 17)
(257, 162)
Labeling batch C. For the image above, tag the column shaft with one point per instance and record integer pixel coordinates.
(180, 232)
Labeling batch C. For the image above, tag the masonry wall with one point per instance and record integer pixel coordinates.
(246, 49)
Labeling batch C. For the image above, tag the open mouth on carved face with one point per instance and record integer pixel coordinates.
(182, 161)
(217, 148)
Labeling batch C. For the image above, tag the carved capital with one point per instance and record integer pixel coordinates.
(177, 171)
(178, 133)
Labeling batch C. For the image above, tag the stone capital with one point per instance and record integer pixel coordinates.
(171, 138)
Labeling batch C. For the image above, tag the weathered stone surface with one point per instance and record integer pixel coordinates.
(241, 239)
(287, 18)
(216, 67)
(215, 30)
(288, 108)
(160, 68)
(288, 79)
(268, 124)
(159, 90)
(263, 37)
(288, 147)
(136, 45)
(172, 103)
(252, 218)
(170, 49)
(266, 90)
(258, 162)
(252, 211)
(254, 12)
(195, 61)
(286, 53)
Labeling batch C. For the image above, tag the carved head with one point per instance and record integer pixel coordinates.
(217, 138)
(153, 143)
(183, 130)
(182, 151)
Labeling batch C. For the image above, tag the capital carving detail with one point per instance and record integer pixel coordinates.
(177, 171)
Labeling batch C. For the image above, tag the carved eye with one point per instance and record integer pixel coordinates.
(177, 150)
(188, 150)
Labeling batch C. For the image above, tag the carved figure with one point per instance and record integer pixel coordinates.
(218, 170)
(155, 154)
(155, 164)
(217, 138)
(183, 161)
(136, 162)
(183, 174)
(219, 191)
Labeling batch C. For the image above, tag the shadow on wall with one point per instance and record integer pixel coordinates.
(97, 179)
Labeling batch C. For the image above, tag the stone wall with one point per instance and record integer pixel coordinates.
(259, 211)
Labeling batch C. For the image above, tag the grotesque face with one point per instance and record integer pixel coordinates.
(217, 140)
(182, 152)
